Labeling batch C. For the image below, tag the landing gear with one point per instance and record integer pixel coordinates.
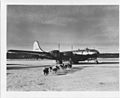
(59, 62)
(96, 61)
(70, 62)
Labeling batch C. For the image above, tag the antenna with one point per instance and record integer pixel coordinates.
(59, 46)
(72, 47)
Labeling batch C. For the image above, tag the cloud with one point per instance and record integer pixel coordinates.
(86, 25)
(62, 21)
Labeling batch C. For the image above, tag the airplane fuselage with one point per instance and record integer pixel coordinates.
(75, 55)
(80, 55)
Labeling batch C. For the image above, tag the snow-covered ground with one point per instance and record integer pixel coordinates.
(27, 75)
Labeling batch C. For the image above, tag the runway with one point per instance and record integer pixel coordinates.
(27, 75)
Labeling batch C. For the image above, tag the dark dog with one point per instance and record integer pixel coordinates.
(50, 68)
(62, 66)
(46, 71)
(54, 70)
(57, 67)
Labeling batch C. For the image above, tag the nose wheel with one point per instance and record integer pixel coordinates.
(96, 61)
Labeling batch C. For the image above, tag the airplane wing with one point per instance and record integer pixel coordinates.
(36, 53)
(21, 54)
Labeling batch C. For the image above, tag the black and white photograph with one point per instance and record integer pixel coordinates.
(62, 48)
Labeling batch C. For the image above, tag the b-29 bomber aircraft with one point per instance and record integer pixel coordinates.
(73, 56)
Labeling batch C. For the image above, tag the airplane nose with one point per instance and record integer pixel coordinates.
(97, 52)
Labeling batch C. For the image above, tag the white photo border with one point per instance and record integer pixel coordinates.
(42, 94)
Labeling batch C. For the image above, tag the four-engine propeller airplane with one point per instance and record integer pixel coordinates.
(73, 56)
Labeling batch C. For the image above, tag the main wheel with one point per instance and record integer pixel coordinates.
(97, 62)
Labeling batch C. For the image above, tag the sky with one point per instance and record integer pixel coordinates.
(77, 26)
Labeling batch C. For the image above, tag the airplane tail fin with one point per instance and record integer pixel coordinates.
(36, 47)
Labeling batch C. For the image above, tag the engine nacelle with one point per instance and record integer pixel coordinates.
(55, 53)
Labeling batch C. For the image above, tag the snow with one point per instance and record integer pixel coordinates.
(28, 76)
